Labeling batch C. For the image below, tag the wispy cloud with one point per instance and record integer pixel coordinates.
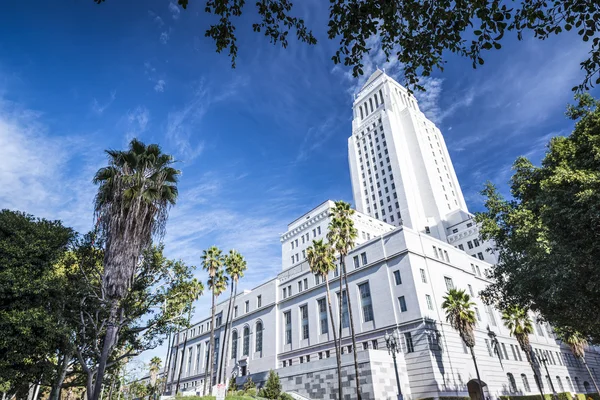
(174, 10)
(160, 86)
(100, 108)
(316, 137)
(156, 19)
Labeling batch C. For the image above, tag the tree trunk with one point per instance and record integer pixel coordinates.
(223, 360)
(176, 358)
(354, 349)
(109, 342)
(226, 356)
(183, 350)
(36, 391)
(60, 377)
(536, 378)
(211, 357)
(341, 301)
(477, 372)
(168, 361)
(335, 344)
(591, 376)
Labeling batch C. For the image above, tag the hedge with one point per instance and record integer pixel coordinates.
(561, 396)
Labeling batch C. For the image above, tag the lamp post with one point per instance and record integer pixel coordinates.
(392, 342)
(544, 360)
(495, 343)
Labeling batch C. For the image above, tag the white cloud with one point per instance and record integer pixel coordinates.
(100, 108)
(37, 169)
(160, 86)
(316, 137)
(164, 37)
(174, 9)
(156, 19)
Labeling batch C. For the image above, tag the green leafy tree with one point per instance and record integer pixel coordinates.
(342, 235)
(212, 262)
(461, 316)
(34, 290)
(518, 323)
(235, 265)
(578, 344)
(320, 259)
(418, 33)
(135, 192)
(546, 236)
(272, 388)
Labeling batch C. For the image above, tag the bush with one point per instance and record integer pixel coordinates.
(250, 392)
(232, 386)
(249, 384)
(285, 396)
(593, 396)
(454, 398)
(530, 397)
(272, 388)
(564, 396)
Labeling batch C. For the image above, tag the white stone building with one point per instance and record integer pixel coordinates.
(416, 239)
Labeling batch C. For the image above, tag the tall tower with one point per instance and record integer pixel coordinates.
(399, 165)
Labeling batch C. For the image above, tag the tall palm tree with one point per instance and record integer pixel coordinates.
(155, 364)
(235, 265)
(135, 192)
(212, 262)
(342, 235)
(520, 325)
(577, 342)
(461, 316)
(196, 289)
(320, 259)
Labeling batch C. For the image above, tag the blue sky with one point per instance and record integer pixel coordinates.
(258, 145)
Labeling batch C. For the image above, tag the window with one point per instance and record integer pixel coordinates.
(569, 383)
(429, 302)
(512, 385)
(356, 263)
(477, 314)
(258, 301)
(299, 286)
(397, 277)
(449, 283)
(305, 283)
(345, 317)
(235, 309)
(490, 315)
(423, 276)
(480, 256)
(505, 352)
(470, 290)
(514, 352)
(560, 385)
(189, 365)
(234, 344)
(489, 347)
(287, 317)
(525, 383)
(470, 244)
(476, 242)
(446, 256)
(478, 271)
(323, 315)
(317, 279)
(363, 257)
(460, 246)
(259, 337)
(434, 250)
(365, 301)
(304, 254)
(453, 230)
(198, 358)
(402, 302)
(410, 348)
(304, 316)
(247, 306)
(246, 349)
(318, 230)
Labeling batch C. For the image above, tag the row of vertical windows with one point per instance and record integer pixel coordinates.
(367, 107)
(258, 344)
(440, 254)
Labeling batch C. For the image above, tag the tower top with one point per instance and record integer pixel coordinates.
(372, 78)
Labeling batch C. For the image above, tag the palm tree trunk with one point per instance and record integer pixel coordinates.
(176, 358)
(109, 341)
(183, 351)
(538, 380)
(222, 360)
(591, 376)
(226, 361)
(168, 359)
(341, 301)
(477, 372)
(211, 356)
(354, 349)
(335, 344)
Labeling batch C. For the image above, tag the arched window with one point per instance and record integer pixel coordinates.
(259, 336)
(366, 109)
(570, 384)
(560, 385)
(525, 383)
(586, 387)
(512, 385)
(246, 341)
(577, 384)
(234, 341)
(376, 101)
(371, 103)
(538, 381)
(361, 112)
(381, 96)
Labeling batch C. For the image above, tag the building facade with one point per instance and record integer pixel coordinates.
(416, 240)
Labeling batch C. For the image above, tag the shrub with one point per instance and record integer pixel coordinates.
(564, 396)
(272, 388)
(249, 384)
(530, 397)
(285, 396)
(232, 386)
(593, 396)
(454, 398)
(250, 392)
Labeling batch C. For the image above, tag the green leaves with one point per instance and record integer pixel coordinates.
(546, 235)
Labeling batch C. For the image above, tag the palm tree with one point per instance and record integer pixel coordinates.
(196, 289)
(341, 236)
(235, 265)
(135, 192)
(155, 364)
(212, 262)
(517, 321)
(577, 342)
(460, 315)
(320, 259)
